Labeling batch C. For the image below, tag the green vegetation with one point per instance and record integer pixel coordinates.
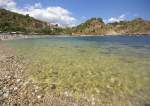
(136, 26)
(91, 26)
(97, 26)
(14, 22)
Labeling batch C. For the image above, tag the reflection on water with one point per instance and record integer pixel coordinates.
(89, 65)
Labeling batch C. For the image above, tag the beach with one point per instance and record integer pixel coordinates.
(95, 70)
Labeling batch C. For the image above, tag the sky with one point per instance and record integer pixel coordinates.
(73, 12)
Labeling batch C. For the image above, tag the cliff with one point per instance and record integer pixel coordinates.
(96, 26)
(24, 24)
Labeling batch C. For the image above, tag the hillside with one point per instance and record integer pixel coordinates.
(96, 26)
(136, 26)
(91, 26)
(14, 22)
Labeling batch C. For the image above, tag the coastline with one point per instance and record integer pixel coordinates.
(4, 37)
(27, 91)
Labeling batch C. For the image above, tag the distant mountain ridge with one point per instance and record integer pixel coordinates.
(96, 26)
(91, 26)
(14, 22)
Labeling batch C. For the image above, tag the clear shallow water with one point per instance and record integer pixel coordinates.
(99, 66)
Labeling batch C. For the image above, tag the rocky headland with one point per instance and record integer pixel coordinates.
(15, 23)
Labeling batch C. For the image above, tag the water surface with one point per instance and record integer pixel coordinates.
(97, 66)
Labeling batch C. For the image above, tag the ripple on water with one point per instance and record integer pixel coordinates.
(85, 66)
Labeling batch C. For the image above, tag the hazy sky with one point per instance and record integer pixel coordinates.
(71, 12)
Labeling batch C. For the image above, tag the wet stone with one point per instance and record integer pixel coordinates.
(1, 93)
(53, 86)
(147, 104)
(6, 94)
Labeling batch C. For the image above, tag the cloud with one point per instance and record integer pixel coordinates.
(116, 19)
(51, 14)
(9, 4)
(84, 17)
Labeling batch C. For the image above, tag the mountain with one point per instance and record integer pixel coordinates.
(96, 26)
(136, 26)
(14, 22)
(91, 26)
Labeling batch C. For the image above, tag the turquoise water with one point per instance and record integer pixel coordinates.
(96, 66)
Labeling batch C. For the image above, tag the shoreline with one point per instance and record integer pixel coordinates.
(4, 37)
(18, 89)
